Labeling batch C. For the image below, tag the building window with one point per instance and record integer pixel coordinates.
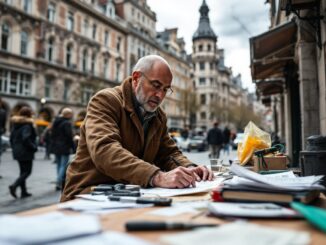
(84, 60)
(93, 63)
(106, 39)
(69, 49)
(85, 28)
(23, 43)
(208, 47)
(203, 115)
(66, 90)
(118, 44)
(203, 99)
(51, 12)
(27, 6)
(132, 11)
(201, 66)
(5, 36)
(70, 21)
(87, 93)
(200, 48)
(212, 65)
(202, 81)
(94, 31)
(12, 82)
(8, 1)
(50, 50)
(48, 87)
(105, 68)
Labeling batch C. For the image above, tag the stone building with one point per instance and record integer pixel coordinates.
(58, 53)
(288, 67)
(217, 89)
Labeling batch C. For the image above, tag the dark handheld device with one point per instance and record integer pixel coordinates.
(157, 201)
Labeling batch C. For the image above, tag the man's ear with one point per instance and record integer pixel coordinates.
(135, 78)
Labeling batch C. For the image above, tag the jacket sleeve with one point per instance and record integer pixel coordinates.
(27, 138)
(103, 139)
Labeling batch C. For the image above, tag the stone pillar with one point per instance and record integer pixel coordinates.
(308, 90)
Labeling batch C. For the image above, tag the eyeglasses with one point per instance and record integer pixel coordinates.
(157, 86)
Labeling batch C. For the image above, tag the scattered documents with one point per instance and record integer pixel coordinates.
(250, 210)
(89, 206)
(203, 186)
(46, 228)
(283, 181)
(238, 233)
(178, 208)
(106, 238)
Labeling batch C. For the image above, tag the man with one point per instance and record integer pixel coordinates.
(124, 138)
(62, 144)
(215, 141)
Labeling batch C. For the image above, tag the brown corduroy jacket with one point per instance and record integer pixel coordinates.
(112, 148)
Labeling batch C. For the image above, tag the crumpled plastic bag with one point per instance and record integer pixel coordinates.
(254, 139)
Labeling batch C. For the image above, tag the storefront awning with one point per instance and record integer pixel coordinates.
(270, 87)
(272, 50)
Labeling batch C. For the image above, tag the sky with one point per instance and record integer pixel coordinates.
(233, 21)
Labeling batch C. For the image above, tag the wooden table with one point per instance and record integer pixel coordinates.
(116, 221)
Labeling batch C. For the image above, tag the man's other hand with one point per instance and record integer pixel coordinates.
(180, 177)
(202, 173)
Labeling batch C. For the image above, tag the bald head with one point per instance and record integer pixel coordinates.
(150, 62)
(66, 113)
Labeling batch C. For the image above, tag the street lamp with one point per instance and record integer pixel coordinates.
(43, 101)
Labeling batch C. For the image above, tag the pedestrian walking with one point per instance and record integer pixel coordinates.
(24, 146)
(215, 141)
(3, 118)
(46, 139)
(226, 140)
(62, 144)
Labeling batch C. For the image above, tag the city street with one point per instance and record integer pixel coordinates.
(41, 183)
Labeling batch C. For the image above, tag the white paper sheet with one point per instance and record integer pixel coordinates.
(40, 229)
(203, 186)
(107, 238)
(181, 208)
(88, 206)
(238, 233)
(259, 210)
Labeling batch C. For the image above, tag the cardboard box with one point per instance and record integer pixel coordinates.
(273, 163)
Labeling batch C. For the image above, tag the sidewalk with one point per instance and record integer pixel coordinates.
(41, 183)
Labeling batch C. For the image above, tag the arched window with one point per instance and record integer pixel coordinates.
(5, 36)
(23, 43)
(50, 50)
(69, 55)
(84, 60)
(93, 63)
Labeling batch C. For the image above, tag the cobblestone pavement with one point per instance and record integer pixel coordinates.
(41, 183)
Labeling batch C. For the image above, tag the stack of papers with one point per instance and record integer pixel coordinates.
(46, 228)
(286, 181)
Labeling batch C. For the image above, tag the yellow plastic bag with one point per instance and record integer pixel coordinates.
(254, 139)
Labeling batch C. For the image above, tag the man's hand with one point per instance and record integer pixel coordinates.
(202, 173)
(180, 177)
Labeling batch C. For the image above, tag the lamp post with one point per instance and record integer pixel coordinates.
(43, 101)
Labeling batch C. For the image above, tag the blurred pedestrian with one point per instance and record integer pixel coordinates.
(215, 141)
(3, 119)
(24, 146)
(226, 140)
(62, 144)
(185, 133)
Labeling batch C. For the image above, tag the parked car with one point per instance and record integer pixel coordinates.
(195, 143)
(5, 143)
(238, 138)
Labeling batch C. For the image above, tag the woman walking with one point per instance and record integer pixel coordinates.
(23, 142)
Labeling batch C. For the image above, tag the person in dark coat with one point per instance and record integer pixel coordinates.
(215, 141)
(24, 146)
(62, 144)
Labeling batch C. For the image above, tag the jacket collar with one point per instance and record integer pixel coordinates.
(22, 120)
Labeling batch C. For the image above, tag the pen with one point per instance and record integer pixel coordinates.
(157, 226)
(157, 201)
